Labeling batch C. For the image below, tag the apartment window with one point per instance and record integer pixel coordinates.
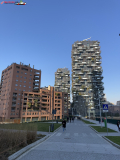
(29, 87)
(20, 85)
(19, 94)
(15, 89)
(17, 76)
(16, 113)
(30, 78)
(17, 67)
(23, 90)
(24, 81)
(17, 108)
(25, 77)
(17, 80)
(24, 69)
(17, 71)
(18, 98)
(21, 77)
(25, 73)
(24, 86)
(20, 80)
(29, 82)
(16, 84)
(21, 72)
(30, 74)
(18, 103)
(30, 70)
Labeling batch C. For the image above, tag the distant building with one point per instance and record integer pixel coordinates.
(118, 103)
(62, 82)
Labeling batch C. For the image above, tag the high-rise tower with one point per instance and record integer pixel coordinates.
(85, 59)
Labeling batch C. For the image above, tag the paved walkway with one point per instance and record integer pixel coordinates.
(78, 142)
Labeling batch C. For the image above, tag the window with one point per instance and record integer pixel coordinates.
(20, 80)
(16, 113)
(30, 70)
(15, 89)
(18, 98)
(25, 73)
(29, 82)
(18, 103)
(17, 67)
(24, 69)
(19, 94)
(30, 78)
(29, 87)
(16, 84)
(21, 72)
(21, 77)
(17, 76)
(24, 86)
(20, 85)
(23, 90)
(17, 108)
(17, 71)
(17, 80)
(30, 74)
(24, 81)
(25, 77)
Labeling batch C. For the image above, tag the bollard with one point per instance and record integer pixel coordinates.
(49, 129)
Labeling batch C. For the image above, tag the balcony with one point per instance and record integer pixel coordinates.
(13, 105)
(14, 95)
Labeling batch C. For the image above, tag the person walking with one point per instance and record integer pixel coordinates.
(118, 125)
(67, 119)
(64, 124)
(70, 119)
(73, 119)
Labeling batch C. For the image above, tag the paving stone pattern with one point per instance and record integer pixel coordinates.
(77, 142)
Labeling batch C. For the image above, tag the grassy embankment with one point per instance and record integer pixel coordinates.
(115, 139)
(25, 134)
(87, 122)
(103, 129)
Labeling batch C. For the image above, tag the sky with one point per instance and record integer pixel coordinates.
(41, 33)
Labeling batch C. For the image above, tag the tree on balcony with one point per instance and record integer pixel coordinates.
(79, 77)
(36, 102)
(29, 104)
(82, 70)
(92, 59)
(83, 86)
(56, 94)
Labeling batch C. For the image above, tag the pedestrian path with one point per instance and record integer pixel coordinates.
(77, 142)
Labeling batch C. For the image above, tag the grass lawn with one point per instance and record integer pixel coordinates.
(103, 129)
(38, 126)
(115, 139)
(87, 122)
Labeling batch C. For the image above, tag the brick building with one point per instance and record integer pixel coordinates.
(18, 84)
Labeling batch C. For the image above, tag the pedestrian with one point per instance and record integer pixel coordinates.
(73, 119)
(70, 119)
(67, 119)
(118, 125)
(64, 124)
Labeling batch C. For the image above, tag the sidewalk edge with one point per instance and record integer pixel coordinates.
(114, 144)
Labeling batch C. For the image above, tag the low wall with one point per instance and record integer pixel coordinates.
(113, 121)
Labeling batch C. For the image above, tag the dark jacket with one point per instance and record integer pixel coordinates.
(118, 124)
(64, 123)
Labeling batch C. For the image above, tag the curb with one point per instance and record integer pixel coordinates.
(94, 130)
(114, 144)
(23, 150)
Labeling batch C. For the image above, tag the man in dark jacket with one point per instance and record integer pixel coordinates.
(64, 124)
(118, 125)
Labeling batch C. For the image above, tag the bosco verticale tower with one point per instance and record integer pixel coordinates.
(85, 59)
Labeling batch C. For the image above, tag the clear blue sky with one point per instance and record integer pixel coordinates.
(42, 33)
